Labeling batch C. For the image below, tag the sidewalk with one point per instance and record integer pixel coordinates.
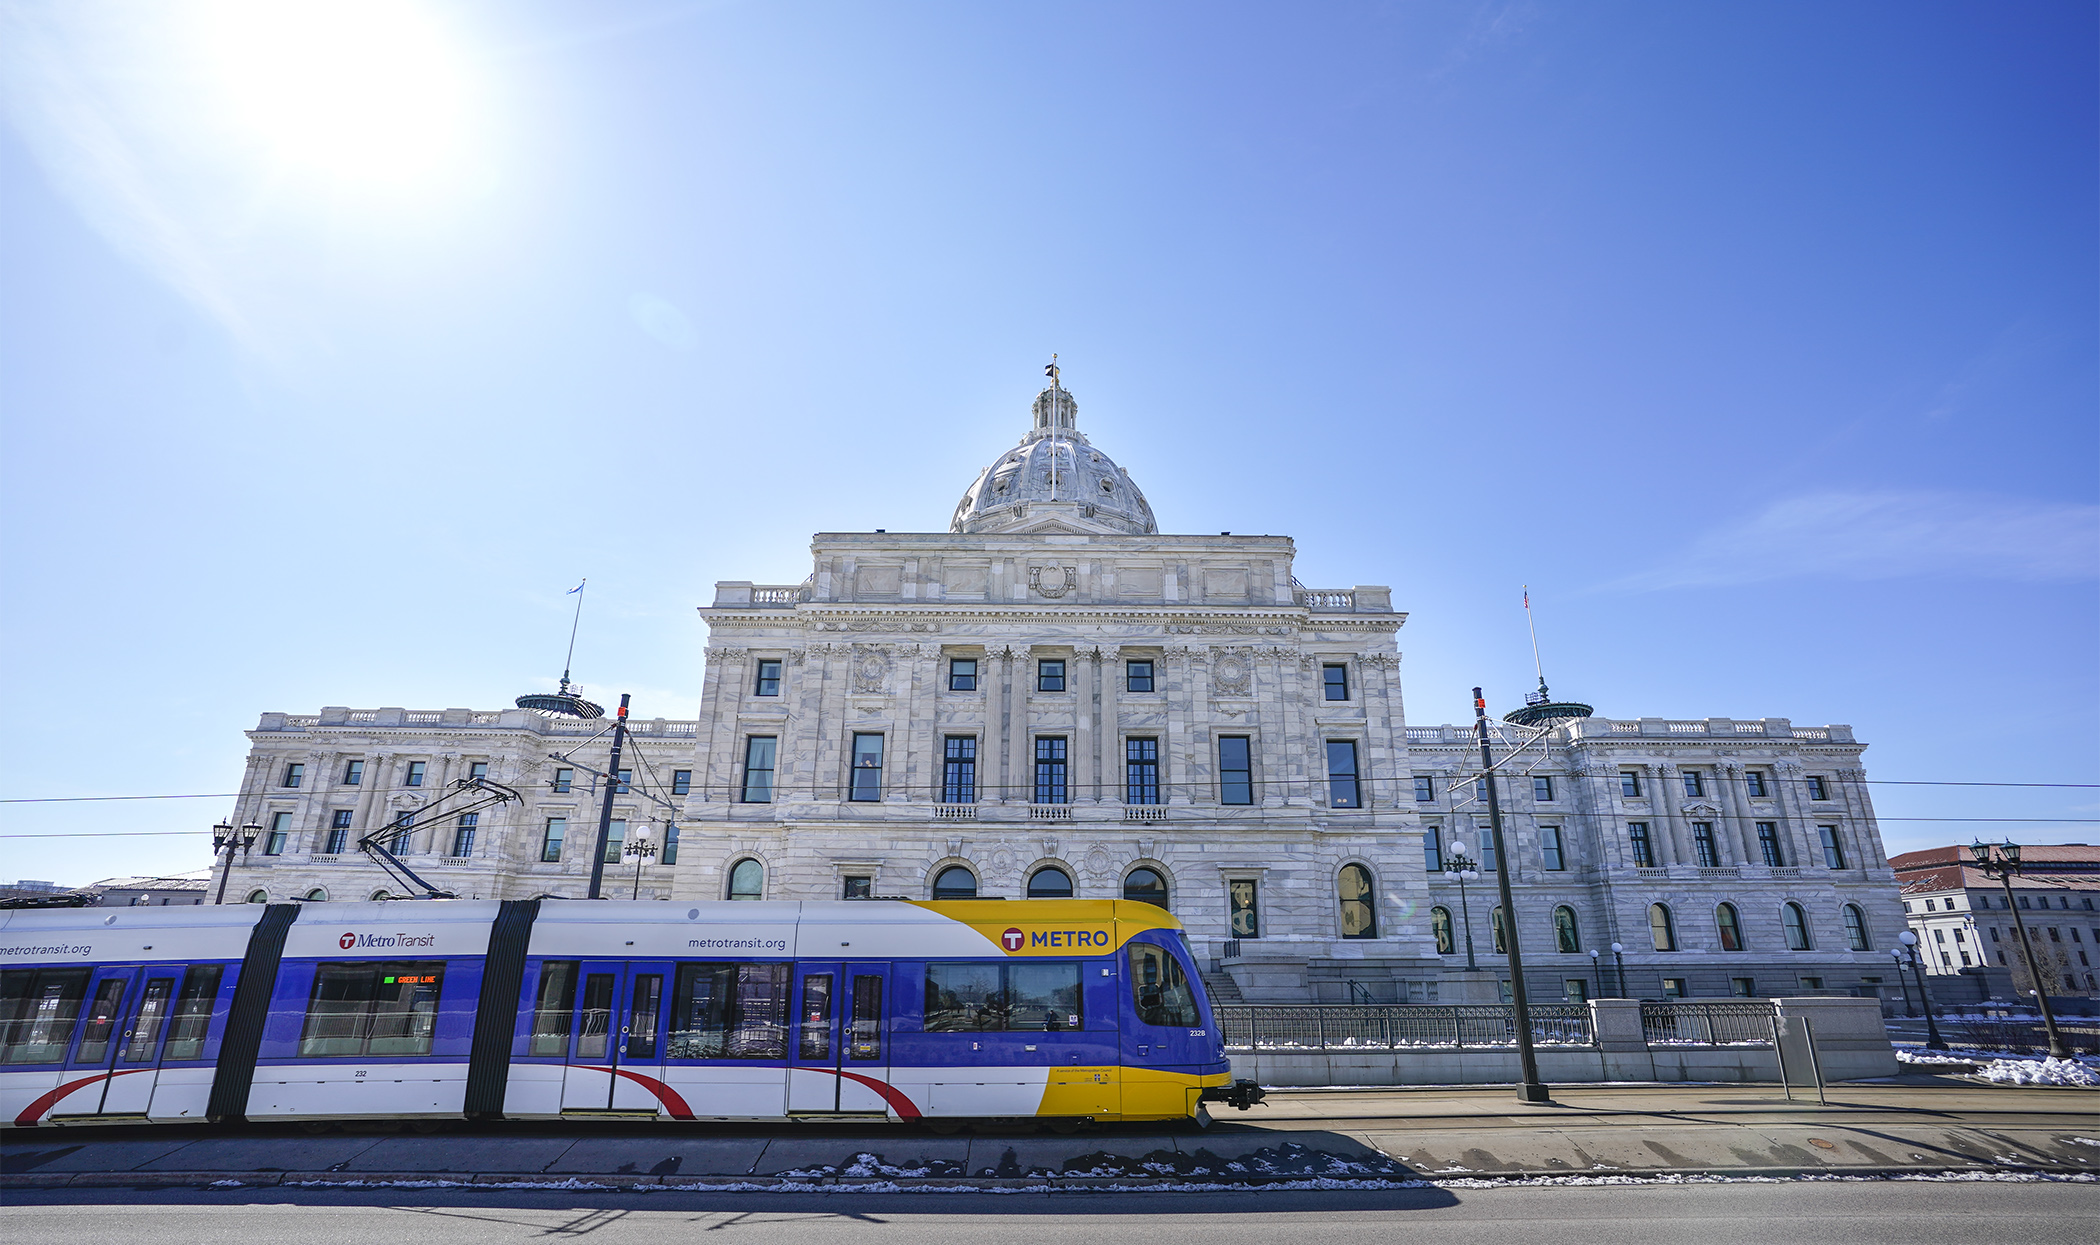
(1917, 1124)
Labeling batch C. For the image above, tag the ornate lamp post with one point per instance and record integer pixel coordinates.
(1910, 1009)
(223, 839)
(2002, 868)
(1596, 974)
(1618, 953)
(642, 848)
(1462, 869)
(1932, 1028)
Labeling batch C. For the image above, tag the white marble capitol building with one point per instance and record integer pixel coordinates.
(1054, 698)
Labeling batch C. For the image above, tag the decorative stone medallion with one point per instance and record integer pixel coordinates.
(1053, 581)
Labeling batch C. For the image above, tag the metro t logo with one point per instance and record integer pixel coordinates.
(347, 941)
(1013, 940)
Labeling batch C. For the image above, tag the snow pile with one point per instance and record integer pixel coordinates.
(2041, 1072)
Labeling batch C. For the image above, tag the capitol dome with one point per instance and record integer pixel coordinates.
(1054, 471)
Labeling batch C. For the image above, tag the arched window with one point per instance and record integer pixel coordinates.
(1731, 927)
(1495, 922)
(1796, 923)
(1146, 885)
(1564, 933)
(1359, 908)
(1661, 930)
(1050, 883)
(747, 880)
(317, 895)
(1856, 929)
(955, 882)
(258, 896)
(1440, 925)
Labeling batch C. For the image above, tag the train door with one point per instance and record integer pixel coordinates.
(127, 1014)
(616, 1051)
(839, 1060)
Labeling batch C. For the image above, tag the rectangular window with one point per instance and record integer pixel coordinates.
(1816, 789)
(1050, 675)
(626, 782)
(681, 782)
(1335, 681)
(1768, 844)
(192, 1018)
(280, 832)
(552, 1008)
(1342, 791)
(1811, 983)
(1743, 987)
(1486, 837)
(1755, 781)
(294, 774)
(1834, 850)
(463, 834)
(867, 768)
(387, 1008)
(962, 674)
(1245, 913)
(550, 843)
(1549, 848)
(1542, 788)
(1673, 988)
(768, 683)
(670, 847)
(478, 770)
(758, 769)
(1574, 990)
(564, 779)
(339, 831)
(1433, 849)
(959, 769)
(1703, 845)
(1050, 769)
(857, 886)
(1137, 675)
(1141, 771)
(38, 1010)
(354, 774)
(615, 840)
(1629, 784)
(1030, 996)
(1643, 852)
(1694, 784)
(730, 1011)
(416, 770)
(1425, 788)
(1480, 790)
(1235, 770)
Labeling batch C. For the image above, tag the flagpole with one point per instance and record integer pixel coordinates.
(570, 659)
(1535, 662)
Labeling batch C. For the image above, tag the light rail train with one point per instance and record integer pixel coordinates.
(1065, 1011)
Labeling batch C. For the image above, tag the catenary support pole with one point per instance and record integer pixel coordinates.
(2057, 1049)
(612, 785)
(1533, 1089)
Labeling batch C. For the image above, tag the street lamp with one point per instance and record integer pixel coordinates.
(1910, 1009)
(1595, 975)
(1462, 869)
(223, 839)
(641, 848)
(2003, 868)
(1932, 1028)
(1618, 953)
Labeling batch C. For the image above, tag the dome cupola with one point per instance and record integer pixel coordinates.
(1054, 476)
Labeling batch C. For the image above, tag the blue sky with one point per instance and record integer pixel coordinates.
(1759, 339)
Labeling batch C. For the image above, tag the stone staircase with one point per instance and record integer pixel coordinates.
(1220, 986)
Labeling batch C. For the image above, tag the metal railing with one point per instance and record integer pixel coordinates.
(1398, 1026)
(1707, 1024)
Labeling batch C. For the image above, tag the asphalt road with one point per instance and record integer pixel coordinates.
(1793, 1212)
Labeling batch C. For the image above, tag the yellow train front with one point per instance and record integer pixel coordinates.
(1059, 1010)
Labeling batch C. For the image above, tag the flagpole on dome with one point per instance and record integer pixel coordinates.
(567, 701)
(1056, 392)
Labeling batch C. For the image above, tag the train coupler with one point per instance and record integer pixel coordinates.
(1240, 1094)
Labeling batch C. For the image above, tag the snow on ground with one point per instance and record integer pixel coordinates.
(2069, 1072)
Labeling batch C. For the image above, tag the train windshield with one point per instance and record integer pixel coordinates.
(1164, 996)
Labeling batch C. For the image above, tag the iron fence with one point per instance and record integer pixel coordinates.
(1398, 1026)
(1707, 1024)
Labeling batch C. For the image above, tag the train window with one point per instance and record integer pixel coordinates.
(38, 1007)
(101, 1021)
(867, 1018)
(643, 1015)
(730, 1011)
(143, 1041)
(550, 1012)
(1161, 988)
(816, 1017)
(1027, 997)
(387, 1008)
(200, 989)
(595, 1030)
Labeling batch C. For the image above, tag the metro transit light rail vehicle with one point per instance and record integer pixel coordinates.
(1065, 1011)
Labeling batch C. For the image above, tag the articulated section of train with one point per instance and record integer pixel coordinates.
(1060, 1010)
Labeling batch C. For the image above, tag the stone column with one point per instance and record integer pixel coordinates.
(1184, 691)
(1735, 805)
(1109, 711)
(1088, 768)
(721, 695)
(920, 729)
(1385, 742)
(1672, 834)
(1859, 805)
(997, 753)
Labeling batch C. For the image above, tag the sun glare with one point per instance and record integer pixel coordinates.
(368, 96)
